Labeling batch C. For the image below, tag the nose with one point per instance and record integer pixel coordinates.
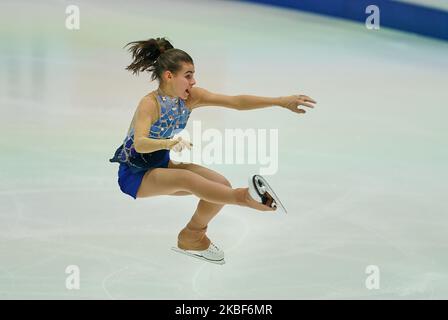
(193, 82)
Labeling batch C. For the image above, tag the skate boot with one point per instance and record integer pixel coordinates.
(261, 191)
(194, 243)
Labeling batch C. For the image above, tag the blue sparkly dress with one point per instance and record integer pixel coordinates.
(173, 118)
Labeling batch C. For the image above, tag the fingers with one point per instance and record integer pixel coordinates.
(296, 101)
(306, 104)
(177, 148)
(175, 143)
(187, 144)
(182, 144)
(308, 99)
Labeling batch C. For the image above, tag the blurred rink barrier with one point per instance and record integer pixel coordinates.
(424, 17)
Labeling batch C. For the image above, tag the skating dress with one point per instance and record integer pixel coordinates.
(173, 118)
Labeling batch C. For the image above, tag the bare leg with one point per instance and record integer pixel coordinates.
(211, 187)
(193, 236)
(161, 181)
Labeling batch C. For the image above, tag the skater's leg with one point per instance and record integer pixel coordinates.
(192, 236)
(167, 181)
(213, 195)
(205, 210)
(162, 181)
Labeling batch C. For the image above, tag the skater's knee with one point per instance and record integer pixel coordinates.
(227, 183)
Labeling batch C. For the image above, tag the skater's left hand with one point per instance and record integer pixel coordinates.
(293, 102)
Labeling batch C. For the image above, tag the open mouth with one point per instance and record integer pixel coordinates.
(187, 91)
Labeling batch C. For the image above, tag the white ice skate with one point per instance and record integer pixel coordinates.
(261, 191)
(212, 254)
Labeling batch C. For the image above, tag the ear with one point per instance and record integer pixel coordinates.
(167, 75)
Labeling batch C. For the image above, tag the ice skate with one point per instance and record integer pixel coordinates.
(212, 254)
(261, 191)
(193, 242)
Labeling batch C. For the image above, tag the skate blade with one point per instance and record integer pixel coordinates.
(197, 256)
(272, 193)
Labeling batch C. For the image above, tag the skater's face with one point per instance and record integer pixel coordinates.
(181, 82)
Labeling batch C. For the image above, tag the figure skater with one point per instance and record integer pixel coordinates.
(145, 168)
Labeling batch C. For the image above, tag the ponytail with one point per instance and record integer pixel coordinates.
(156, 56)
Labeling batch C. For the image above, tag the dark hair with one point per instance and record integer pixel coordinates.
(156, 56)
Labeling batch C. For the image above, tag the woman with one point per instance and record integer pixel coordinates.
(145, 167)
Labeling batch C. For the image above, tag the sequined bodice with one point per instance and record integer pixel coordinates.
(174, 115)
(173, 118)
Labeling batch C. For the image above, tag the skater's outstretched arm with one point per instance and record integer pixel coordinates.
(202, 97)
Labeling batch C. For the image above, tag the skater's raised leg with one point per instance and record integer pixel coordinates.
(166, 181)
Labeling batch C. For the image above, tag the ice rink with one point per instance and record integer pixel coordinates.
(362, 175)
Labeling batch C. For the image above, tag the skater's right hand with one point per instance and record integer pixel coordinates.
(180, 144)
(170, 143)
